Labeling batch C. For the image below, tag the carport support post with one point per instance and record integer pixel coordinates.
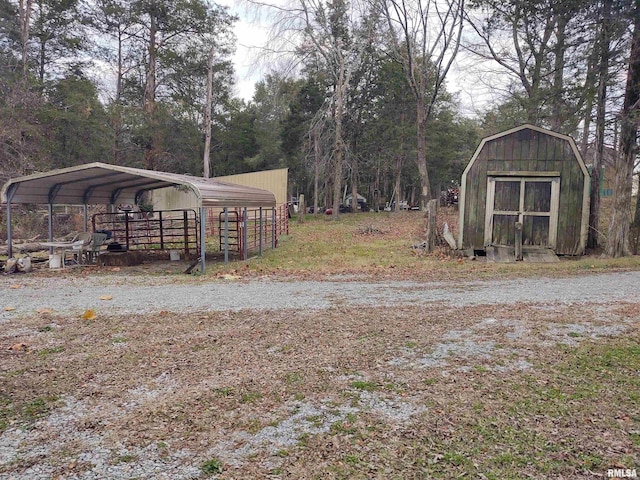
(273, 227)
(203, 233)
(226, 235)
(50, 225)
(245, 237)
(260, 234)
(9, 234)
(85, 212)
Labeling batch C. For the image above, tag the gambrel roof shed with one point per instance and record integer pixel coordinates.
(527, 175)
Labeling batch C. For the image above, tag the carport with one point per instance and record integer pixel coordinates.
(104, 184)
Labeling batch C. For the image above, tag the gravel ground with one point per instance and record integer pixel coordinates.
(457, 350)
(23, 295)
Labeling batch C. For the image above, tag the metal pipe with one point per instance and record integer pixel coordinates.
(203, 228)
(273, 227)
(50, 225)
(126, 228)
(9, 234)
(260, 234)
(245, 237)
(10, 191)
(226, 235)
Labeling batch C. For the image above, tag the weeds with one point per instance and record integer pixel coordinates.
(212, 467)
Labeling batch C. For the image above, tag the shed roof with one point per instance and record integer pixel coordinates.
(535, 128)
(101, 183)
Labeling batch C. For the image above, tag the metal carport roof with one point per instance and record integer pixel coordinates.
(100, 183)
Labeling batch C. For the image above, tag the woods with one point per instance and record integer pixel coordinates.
(360, 97)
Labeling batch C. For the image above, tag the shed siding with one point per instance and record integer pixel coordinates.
(526, 150)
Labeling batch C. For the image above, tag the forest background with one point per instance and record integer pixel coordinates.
(356, 96)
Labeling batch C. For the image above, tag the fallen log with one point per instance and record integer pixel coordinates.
(23, 248)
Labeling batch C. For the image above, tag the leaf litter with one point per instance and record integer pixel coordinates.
(353, 391)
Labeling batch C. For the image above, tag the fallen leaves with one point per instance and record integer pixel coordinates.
(106, 297)
(228, 276)
(19, 347)
(89, 315)
(9, 309)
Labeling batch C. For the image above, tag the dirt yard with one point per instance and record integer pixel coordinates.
(359, 380)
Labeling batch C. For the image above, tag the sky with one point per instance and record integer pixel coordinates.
(250, 36)
(467, 78)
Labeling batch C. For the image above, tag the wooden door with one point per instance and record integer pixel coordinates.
(532, 201)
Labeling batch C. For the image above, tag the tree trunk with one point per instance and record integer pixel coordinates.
(421, 155)
(316, 167)
(396, 187)
(207, 116)
(149, 100)
(338, 145)
(596, 172)
(25, 18)
(431, 216)
(557, 113)
(618, 241)
(117, 117)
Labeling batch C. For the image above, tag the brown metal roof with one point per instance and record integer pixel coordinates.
(101, 183)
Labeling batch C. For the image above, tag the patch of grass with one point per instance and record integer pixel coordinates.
(7, 412)
(366, 386)
(315, 420)
(254, 425)
(211, 467)
(352, 459)
(454, 458)
(49, 351)
(250, 397)
(321, 245)
(342, 428)
(303, 439)
(36, 408)
(24, 413)
(223, 391)
(293, 377)
(127, 458)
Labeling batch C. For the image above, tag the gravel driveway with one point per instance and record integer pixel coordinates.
(138, 294)
(125, 377)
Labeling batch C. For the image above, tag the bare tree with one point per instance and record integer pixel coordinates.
(543, 46)
(25, 7)
(604, 50)
(618, 240)
(207, 113)
(424, 39)
(327, 37)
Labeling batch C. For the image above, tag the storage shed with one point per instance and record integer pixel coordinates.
(527, 175)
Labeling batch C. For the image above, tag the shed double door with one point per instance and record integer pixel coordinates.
(532, 201)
